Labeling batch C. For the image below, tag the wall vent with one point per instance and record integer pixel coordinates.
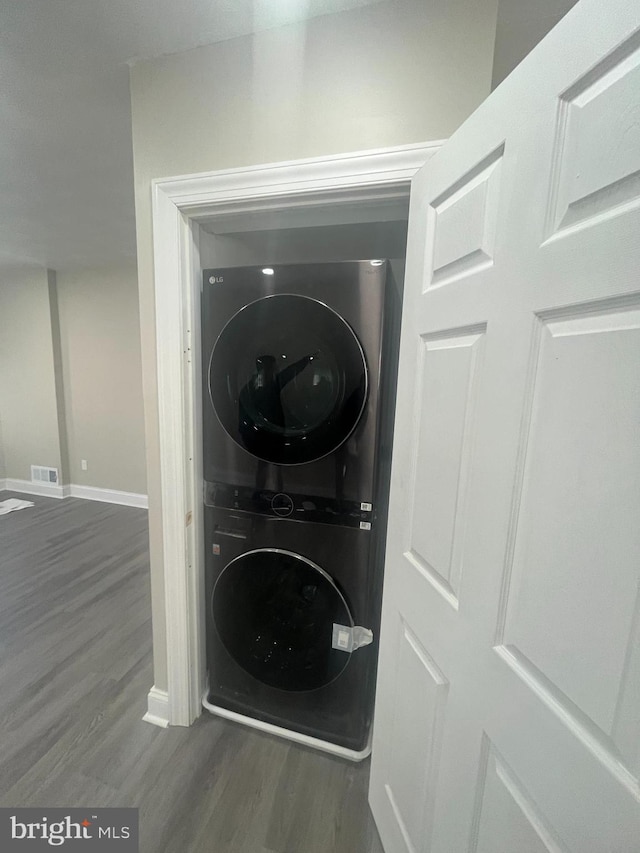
(40, 474)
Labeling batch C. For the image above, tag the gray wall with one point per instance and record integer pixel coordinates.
(393, 73)
(28, 401)
(101, 374)
(70, 376)
(3, 469)
(521, 25)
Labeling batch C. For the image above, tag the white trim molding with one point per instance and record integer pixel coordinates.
(45, 490)
(177, 205)
(109, 496)
(89, 493)
(157, 708)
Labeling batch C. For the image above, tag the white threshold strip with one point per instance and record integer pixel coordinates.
(297, 737)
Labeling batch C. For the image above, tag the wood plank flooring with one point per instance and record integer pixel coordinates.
(75, 669)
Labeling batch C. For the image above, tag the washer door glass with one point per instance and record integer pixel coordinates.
(288, 379)
(274, 612)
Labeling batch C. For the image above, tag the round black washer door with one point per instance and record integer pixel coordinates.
(288, 379)
(274, 612)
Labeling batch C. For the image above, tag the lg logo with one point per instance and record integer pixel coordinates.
(216, 279)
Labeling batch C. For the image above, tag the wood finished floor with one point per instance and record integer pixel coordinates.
(75, 669)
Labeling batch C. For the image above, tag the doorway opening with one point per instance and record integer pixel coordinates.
(332, 208)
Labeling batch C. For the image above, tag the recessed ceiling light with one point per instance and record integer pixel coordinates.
(267, 271)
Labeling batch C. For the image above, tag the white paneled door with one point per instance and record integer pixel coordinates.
(508, 707)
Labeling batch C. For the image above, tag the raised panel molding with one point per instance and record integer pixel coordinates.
(462, 223)
(569, 621)
(445, 393)
(502, 800)
(596, 160)
(412, 767)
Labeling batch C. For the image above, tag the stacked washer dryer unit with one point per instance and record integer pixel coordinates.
(299, 391)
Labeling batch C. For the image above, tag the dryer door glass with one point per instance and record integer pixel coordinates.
(288, 379)
(274, 612)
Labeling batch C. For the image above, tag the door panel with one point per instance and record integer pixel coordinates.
(463, 223)
(445, 388)
(414, 765)
(597, 156)
(513, 547)
(503, 801)
(576, 499)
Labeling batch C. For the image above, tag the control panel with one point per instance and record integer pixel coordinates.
(292, 506)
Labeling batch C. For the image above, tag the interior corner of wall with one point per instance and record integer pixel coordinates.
(58, 378)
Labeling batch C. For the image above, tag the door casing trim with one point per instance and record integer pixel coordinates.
(178, 204)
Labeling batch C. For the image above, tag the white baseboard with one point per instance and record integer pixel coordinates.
(157, 708)
(109, 496)
(89, 493)
(45, 490)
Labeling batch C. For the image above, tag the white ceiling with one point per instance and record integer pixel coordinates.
(66, 173)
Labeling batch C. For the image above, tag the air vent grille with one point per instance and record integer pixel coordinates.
(41, 474)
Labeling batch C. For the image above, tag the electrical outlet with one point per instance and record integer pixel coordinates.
(83, 463)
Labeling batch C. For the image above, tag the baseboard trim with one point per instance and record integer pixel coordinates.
(88, 493)
(297, 737)
(45, 490)
(109, 496)
(157, 708)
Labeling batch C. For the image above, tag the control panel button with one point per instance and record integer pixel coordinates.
(282, 505)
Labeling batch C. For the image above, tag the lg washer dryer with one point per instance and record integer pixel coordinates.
(294, 362)
(299, 390)
(293, 613)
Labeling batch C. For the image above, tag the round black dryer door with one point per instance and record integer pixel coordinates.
(274, 612)
(288, 379)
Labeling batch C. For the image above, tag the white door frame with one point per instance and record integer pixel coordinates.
(177, 206)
